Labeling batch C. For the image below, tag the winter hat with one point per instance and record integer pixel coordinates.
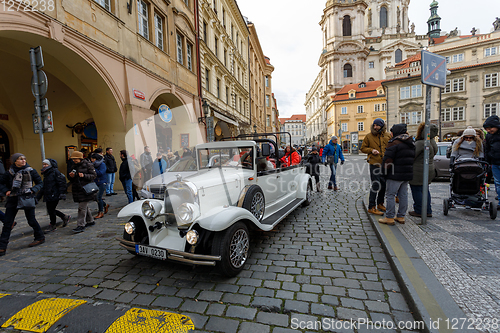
(469, 131)
(14, 157)
(399, 129)
(334, 138)
(76, 154)
(379, 121)
(46, 161)
(314, 148)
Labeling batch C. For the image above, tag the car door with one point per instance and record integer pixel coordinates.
(441, 162)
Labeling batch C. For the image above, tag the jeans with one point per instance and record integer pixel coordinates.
(10, 215)
(53, 212)
(110, 183)
(417, 192)
(100, 201)
(84, 214)
(399, 188)
(377, 191)
(127, 186)
(333, 169)
(495, 169)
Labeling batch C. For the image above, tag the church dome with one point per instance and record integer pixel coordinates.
(434, 3)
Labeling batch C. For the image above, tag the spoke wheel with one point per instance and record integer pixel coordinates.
(233, 245)
(309, 192)
(254, 201)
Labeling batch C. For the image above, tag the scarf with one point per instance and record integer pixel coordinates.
(46, 168)
(22, 182)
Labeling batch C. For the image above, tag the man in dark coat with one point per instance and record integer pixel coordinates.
(313, 160)
(111, 169)
(492, 148)
(146, 163)
(398, 168)
(15, 183)
(126, 176)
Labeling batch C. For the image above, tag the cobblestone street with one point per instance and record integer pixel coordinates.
(323, 263)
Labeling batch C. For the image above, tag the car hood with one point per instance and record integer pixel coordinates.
(167, 177)
(216, 176)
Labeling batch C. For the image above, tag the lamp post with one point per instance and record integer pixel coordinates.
(255, 128)
(208, 121)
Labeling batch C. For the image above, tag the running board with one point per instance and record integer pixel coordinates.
(282, 213)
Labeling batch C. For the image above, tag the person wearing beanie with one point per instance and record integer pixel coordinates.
(100, 180)
(330, 156)
(373, 146)
(17, 185)
(492, 148)
(469, 145)
(312, 167)
(398, 169)
(126, 176)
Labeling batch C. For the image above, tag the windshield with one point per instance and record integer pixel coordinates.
(185, 164)
(226, 157)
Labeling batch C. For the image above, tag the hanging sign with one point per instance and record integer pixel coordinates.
(165, 113)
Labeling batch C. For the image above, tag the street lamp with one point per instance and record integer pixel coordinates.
(255, 128)
(206, 110)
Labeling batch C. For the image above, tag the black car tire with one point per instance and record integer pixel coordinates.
(233, 245)
(309, 191)
(255, 202)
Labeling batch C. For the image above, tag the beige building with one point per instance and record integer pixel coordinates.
(472, 90)
(110, 65)
(353, 110)
(296, 126)
(224, 51)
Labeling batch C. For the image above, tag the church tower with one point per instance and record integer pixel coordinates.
(434, 22)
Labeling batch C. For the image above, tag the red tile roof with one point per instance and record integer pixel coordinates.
(300, 117)
(369, 91)
(406, 63)
(268, 61)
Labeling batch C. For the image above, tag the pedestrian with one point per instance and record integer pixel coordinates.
(492, 149)
(111, 169)
(291, 157)
(146, 164)
(159, 165)
(136, 177)
(469, 145)
(330, 157)
(53, 190)
(313, 160)
(398, 169)
(186, 152)
(374, 145)
(171, 159)
(125, 175)
(2, 195)
(100, 180)
(17, 184)
(83, 173)
(416, 184)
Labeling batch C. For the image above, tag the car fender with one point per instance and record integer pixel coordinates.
(302, 181)
(222, 218)
(135, 208)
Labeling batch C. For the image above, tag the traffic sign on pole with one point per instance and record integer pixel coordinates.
(38, 57)
(433, 69)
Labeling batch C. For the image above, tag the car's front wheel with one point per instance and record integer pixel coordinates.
(233, 245)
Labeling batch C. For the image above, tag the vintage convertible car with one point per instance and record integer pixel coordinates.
(204, 219)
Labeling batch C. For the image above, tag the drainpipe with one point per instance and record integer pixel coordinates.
(198, 65)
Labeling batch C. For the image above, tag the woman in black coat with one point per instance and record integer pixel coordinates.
(15, 183)
(82, 174)
(313, 160)
(53, 190)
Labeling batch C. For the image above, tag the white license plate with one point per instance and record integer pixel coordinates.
(152, 252)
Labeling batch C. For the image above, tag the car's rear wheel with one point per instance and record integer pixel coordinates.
(309, 191)
(233, 245)
(254, 202)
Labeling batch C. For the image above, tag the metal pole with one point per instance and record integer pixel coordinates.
(425, 187)
(439, 119)
(37, 100)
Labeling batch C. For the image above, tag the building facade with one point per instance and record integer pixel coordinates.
(353, 111)
(224, 52)
(316, 104)
(110, 65)
(296, 126)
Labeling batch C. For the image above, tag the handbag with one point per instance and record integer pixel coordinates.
(26, 201)
(91, 188)
(330, 159)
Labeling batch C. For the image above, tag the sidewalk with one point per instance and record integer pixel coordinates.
(68, 206)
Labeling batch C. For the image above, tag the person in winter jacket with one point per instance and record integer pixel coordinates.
(492, 148)
(333, 149)
(82, 174)
(416, 184)
(291, 157)
(398, 168)
(313, 160)
(146, 163)
(53, 190)
(126, 176)
(111, 169)
(100, 180)
(374, 145)
(16, 182)
(469, 145)
(159, 165)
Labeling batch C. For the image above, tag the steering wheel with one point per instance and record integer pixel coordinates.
(243, 158)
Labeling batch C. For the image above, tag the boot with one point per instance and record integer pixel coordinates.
(400, 220)
(99, 215)
(387, 220)
(106, 208)
(397, 199)
(375, 211)
(318, 187)
(335, 188)
(381, 207)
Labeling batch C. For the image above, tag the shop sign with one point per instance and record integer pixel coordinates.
(139, 94)
(165, 113)
(449, 125)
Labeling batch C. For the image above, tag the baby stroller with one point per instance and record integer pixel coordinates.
(468, 189)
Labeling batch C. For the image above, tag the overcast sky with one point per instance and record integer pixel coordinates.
(291, 36)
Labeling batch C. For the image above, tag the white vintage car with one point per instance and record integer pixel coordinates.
(204, 219)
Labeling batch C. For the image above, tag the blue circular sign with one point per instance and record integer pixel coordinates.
(165, 113)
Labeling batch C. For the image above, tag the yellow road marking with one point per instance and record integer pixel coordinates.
(144, 321)
(2, 295)
(41, 315)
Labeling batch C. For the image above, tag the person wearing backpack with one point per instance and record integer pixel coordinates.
(53, 190)
(330, 157)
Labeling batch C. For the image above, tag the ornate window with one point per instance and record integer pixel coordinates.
(398, 56)
(383, 17)
(347, 70)
(346, 26)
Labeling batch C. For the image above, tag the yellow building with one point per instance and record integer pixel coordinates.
(353, 110)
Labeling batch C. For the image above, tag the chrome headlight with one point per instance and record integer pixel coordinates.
(186, 212)
(192, 237)
(183, 200)
(148, 209)
(130, 228)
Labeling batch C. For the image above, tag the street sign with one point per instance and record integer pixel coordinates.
(165, 113)
(43, 84)
(38, 57)
(354, 137)
(47, 122)
(433, 69)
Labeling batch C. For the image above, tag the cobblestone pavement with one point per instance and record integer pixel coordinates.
(322, 263)
(463, 251)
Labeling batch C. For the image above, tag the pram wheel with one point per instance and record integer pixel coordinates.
(446, 206)
(493, 211)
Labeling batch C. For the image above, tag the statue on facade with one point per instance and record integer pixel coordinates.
(413, 28)
(369, 17)
(473, 31)
(398, 28)
(496, 24)
(453, 33)
(383, 30)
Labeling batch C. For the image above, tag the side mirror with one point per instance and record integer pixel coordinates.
(266, 149)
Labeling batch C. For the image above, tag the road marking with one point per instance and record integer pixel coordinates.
(2, 295)
(41, 315)
(144, 321)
